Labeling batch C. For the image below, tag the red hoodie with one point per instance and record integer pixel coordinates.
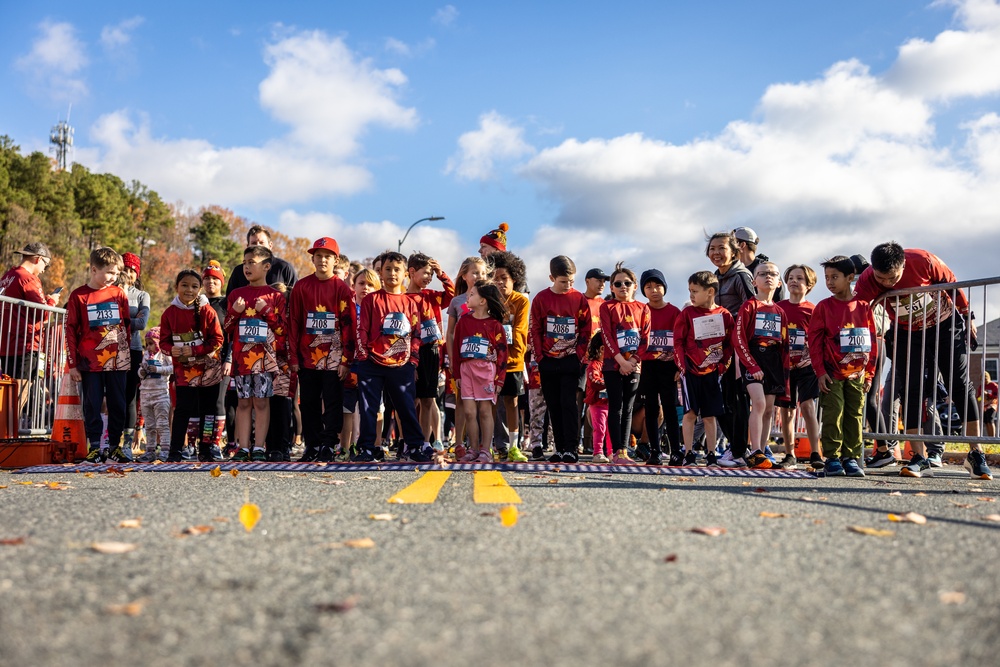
(625, 330)
(842, 339)
(388, 330)
(97, 329)
(559, 325)
(260, 339)
(703, 340)
(179, 326)
(661, 333)
(322, 323)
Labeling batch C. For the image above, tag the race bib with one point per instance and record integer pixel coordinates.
(508, 331)
(395, 324)
(855, 340)
(320, 323)
(154, 367)
(475, 347)
(767, 325)
(661, 340)
(707, 327)
(430, 332)
(603, 394)
(188, 338)
(628, 340)
(252, 330)
(103, 314)
(796, 339)
(561, 328)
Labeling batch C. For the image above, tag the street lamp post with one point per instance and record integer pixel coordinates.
(399, 248)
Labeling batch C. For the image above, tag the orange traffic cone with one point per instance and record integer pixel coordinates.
(67, 427)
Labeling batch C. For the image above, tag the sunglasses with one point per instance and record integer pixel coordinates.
(623, 283)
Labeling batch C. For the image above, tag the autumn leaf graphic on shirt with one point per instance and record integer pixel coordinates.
(193, 377)
(255, 361)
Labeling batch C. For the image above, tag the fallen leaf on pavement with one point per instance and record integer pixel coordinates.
(991, 517)
(508, 516)
(951, 597)
(962, 505)
(556, 505)
(920, 493)
(711, 531)
(553, 481)
(909, 517)
(221, 519)
(131, 523)
(987, 500)
(761, 489)
(12, 541)
(317, 511)
(128, 609)
(337, 607)
(331, 482)
(381, 517)
(216, 471)
(519, 477)
(895, 493)
(197, 530)
(874, 532)
(670, 558)
(361, 543)
(281, 474)
(371, 477)
(808, 499)
(137, 496)
(396, 501)
(86, 474)
(773, 515)
(113, 547)
(249, 516)
(234, 472)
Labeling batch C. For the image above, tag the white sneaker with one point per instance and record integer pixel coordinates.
(600, 458)
(727, 460)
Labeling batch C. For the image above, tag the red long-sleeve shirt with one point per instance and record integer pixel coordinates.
(388, 331)
(661, 333)
(430, 303)
(916, 311)
(23, 331)
(204, 336)
(259, 338)
(797, 317)
(759, 324)
(321, 323)
(842, 339)
(560, 324)
(625, 330)
(481, 339)
(703, 340)
(98, 329)
(596, 393)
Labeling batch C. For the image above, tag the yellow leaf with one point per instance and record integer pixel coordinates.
(508, 516)
(909, 517)
(131, 523)
(4, 486)
(362, 543)
(129, 609)
(381, 517)
(113, 547)
(991, 517)
(86, 474)
(234, 472)
(216, 471)
(249, 516)
(773, 515)
(874, 532)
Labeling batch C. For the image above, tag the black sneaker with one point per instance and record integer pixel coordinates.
(380, 454)
(570, 457)
(205, 456)
(276, 456)
(362, 456)
(242, 456)
(557, 457)
(174, 457)
(917, 467)
(501, 453)
(642, 451)
(325, 455)
(421, 455)
(537, 453)
(691, 458)
(881, 459)
(676, 460)
(258, 455)
(215, 452)
(816, 461)
(119, 455)
(976, 464)
(96, 455)
(654, 459)
(711, 459)
(309, 455)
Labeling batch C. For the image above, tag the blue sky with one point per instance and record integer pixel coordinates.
(607, 133)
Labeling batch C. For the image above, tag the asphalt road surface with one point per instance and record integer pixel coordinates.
(598, 570)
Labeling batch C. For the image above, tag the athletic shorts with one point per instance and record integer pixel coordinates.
(989, 415)
(350, 400)
(513, 384)
(802, 386)
(255, 385)
(428, 368)
(703, 394)
(769, 360)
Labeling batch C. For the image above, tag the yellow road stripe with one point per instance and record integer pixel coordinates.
(489, 486)
(424, 490)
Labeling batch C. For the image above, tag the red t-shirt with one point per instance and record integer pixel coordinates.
(483, 339)
(260, 339)
(22, 331)
(388, 331)
(321, 323)
(661, 333)
(596, 393)
(97, 329)
(842, 339)
(560, 324)
(759, 324)
(178, 327)
(915, 312)
(797, 316)
(625, 330)
(595, 312)
(990, 394)
(703, 340)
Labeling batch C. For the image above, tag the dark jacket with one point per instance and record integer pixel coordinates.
(735, 287)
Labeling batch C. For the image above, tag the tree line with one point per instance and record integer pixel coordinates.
(75, 211)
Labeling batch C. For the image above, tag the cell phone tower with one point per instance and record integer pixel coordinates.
(61, 138)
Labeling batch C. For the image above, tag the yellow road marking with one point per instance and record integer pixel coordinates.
(489, 486)
(423, 491)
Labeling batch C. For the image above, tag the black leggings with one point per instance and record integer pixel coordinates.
(659, 388)
(622, 390)
(735, 422)
(132, 388)
(193, 403)
(559, 379)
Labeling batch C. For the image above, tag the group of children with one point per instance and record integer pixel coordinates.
(374, 341)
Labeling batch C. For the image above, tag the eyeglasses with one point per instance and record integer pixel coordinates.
(623, 283)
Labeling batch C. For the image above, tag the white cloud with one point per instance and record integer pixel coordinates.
(117, 36)
(317, 86)
(446, 16)
(497, 139)
(54, 64)
(835, 164)
(401, 48)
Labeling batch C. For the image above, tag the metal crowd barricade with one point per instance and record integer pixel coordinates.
(32, 340)
(929, 306)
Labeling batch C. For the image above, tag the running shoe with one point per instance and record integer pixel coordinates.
(515, 455)
(654, 459)
(852, 468)
(691, 458)
(676, 460)
(621, 458)
(759, 461)
(119, 455)
(258, 454)
(484, 457)
(96, 455)
(729, 461)
(815, 461)
(537, 453)
(917, 467)
(325, 455)
(277, 456)
(148, 456)
(570, 457)
(882, 458)
(977, 466)
(642, 451)
(557, 457)
(770, 456)
(711, 459)
(789, 461)
(833, 467)
(934, 460)
(599, 457)
(242, 455)
(363, 456)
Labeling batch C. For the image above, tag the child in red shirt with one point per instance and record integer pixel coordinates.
(658, 381)
(842, 349)
(596, 397)
(481, 365)
(703, 350)
(97, 352)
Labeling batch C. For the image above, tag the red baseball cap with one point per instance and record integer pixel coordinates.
(325, 243)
